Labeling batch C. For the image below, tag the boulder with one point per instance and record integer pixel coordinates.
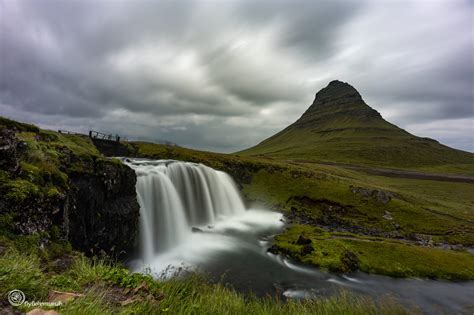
(381, 196)
(307, 249)
(303, 240)
(349, 260)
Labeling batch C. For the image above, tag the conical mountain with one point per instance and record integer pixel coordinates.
(340, 127)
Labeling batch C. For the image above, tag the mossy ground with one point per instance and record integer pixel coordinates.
(375, 255)
(442, 210)
(42, 170)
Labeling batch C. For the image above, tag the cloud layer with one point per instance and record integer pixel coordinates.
(225, 75)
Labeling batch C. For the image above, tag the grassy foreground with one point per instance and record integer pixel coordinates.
(86, 286)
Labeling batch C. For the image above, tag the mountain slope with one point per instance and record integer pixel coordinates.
(340, 127)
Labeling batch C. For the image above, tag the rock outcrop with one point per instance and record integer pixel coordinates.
(102, 211)
(60, 188)
(381, 196)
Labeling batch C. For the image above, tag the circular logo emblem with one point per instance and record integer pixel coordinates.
(16, 297)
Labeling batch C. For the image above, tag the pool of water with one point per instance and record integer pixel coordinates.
(234, 251)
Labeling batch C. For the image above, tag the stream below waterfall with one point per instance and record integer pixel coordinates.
(229, 243)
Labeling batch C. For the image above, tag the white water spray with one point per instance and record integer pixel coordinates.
(176, 196)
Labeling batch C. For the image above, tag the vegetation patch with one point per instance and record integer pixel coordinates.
(100, 287)
(345, 252)
(326, 196)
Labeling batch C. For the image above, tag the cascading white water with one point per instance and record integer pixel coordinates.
(176, 196)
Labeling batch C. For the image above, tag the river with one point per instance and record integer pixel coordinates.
(229, 243)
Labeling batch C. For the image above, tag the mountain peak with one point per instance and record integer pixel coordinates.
(337, 100)
(340, 127)
(337, 93)
(337, 83)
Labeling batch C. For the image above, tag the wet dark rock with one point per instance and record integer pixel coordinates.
(62, 264)
(349, 260)
(276, 250)
(331, 214)
(102, 210)
(196, 230)
(302, 240)
(307, 249)
(273, 249)
(112, 148)
(9, 150)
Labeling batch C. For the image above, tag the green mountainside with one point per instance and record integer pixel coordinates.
(339, 127)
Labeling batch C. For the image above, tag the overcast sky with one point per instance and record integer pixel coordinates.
(224, 75)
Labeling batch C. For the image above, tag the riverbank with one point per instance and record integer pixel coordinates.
(86, 286)
(347, 252)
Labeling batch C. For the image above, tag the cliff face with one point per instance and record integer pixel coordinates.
(59, 187)
(110, 148)
(102, 210)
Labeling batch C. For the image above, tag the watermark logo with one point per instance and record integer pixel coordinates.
(16, 297)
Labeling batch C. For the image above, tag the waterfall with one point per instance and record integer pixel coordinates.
(176, 196)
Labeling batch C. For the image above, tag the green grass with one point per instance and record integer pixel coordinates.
(431, 208)
(105, 286)
(376, 255)
(17, 125)
(42, 172)
(22, 272)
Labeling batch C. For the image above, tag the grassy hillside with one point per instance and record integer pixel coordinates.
(418, 208)
(340, 127)
(423, 214)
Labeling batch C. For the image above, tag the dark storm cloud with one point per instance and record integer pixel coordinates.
(308, 25)
(225, 75)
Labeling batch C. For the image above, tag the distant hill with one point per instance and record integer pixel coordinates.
(340, 127)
